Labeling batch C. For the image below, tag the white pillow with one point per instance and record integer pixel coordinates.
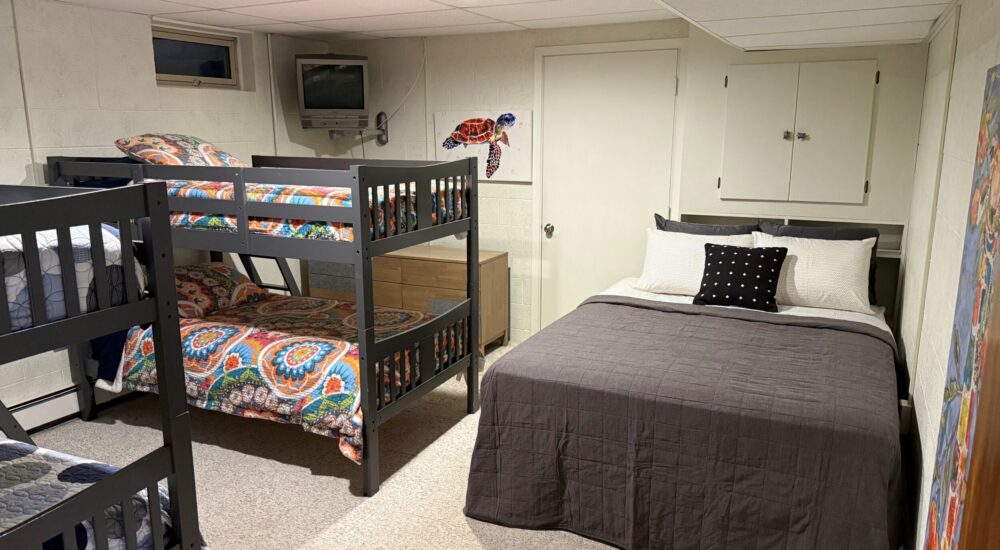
(821, 273)
(675, 262)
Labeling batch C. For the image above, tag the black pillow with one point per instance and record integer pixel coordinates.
(740, 276)
(664, 224)
(831, 234)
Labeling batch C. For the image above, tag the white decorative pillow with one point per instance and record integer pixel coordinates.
(821, 273)
(675, 262)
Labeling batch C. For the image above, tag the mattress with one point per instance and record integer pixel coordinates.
(651, 424)
(16, 282)
(448, 207)
(285, 359)
(36, 479)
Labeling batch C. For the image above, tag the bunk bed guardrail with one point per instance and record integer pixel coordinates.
(24, 211)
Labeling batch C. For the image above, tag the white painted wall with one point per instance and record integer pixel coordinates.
(978, 49)
(482, 71)
(897, 119)
(84, 87)
(923, 200)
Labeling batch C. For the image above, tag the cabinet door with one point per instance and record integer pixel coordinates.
(835, 112)
(759, 110)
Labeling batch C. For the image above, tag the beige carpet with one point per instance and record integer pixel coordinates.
(270, 486)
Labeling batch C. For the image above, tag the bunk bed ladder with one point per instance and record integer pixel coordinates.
(288, 284)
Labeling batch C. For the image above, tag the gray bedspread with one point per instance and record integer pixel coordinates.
(651, 425)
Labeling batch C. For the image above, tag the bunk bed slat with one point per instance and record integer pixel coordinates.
(4, 301)
(155, 518)
(100, 531)
(67, 268)
(33, 267)
(128, 523)
(128, 261)
(100, 266)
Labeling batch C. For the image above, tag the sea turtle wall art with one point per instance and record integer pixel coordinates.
(500, 139)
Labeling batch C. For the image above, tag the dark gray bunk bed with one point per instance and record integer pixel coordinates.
(26, 210)
(408, 181)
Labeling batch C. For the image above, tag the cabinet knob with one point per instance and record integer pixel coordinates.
(787, 136)
(802, 136)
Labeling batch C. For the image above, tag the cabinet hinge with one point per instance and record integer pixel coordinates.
(878, 75)
(726, 83)
(718, 184)
(866, 187)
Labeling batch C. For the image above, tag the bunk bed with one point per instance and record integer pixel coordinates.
(333, 210)
(49, 499)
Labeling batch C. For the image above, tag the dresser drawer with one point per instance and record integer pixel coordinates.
(429, 299)
(430, 273)
(386, 269)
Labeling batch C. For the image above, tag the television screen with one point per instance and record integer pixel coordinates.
(328, 86)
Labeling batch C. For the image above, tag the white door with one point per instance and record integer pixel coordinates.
(833, 123)
(606, 140)
(760, 127)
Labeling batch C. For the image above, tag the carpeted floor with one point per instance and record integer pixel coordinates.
(268, 486)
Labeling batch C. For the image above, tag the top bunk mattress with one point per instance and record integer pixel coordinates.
(448, 207)
(16, 278)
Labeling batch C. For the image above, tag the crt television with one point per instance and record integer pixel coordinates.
(333, 90)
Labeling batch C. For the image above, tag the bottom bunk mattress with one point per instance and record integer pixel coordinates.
(646, 424)
(285, 359)
(36, 479)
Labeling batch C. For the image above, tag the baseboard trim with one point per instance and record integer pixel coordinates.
(48, 410)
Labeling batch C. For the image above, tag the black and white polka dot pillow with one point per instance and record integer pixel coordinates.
(739, 276)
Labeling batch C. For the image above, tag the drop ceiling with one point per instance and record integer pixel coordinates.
(351, 19)
(784, 24)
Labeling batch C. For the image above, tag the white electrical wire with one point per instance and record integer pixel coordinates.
(413, 85)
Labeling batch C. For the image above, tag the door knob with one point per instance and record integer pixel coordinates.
(549, 229)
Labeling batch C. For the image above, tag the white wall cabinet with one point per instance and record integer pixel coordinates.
(798, 131)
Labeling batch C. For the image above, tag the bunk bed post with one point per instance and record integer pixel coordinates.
(176, 423)
(472, 282)
(365, 314)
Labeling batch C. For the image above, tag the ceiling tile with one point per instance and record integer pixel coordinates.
(220, 18)
(816, 21)
(871, 34)
(605, 19)
(222, 4)
(564, 8)
(483, 3)
(316, 10)
(442, 18)
(456, 29)
(283, 28)
(145, 7)
(712, 10)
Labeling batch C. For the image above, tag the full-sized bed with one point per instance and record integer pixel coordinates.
(644, 421)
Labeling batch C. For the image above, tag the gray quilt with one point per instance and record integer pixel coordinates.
(653, 425)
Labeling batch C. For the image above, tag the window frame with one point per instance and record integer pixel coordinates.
(229, 42)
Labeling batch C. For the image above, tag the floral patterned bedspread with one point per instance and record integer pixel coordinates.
(449, 207)
(286, 359)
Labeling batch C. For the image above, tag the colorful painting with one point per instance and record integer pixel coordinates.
(971, 328)
(501, 140)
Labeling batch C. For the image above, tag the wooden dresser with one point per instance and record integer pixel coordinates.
(425, 278)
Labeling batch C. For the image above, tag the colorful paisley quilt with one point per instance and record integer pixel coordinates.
(448, 208)
(285, 359)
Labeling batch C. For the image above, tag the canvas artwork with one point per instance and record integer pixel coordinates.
(966, 359)
(500, 139)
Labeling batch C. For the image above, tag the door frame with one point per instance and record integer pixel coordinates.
(678, 44)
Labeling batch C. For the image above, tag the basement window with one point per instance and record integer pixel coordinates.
(195, 59)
